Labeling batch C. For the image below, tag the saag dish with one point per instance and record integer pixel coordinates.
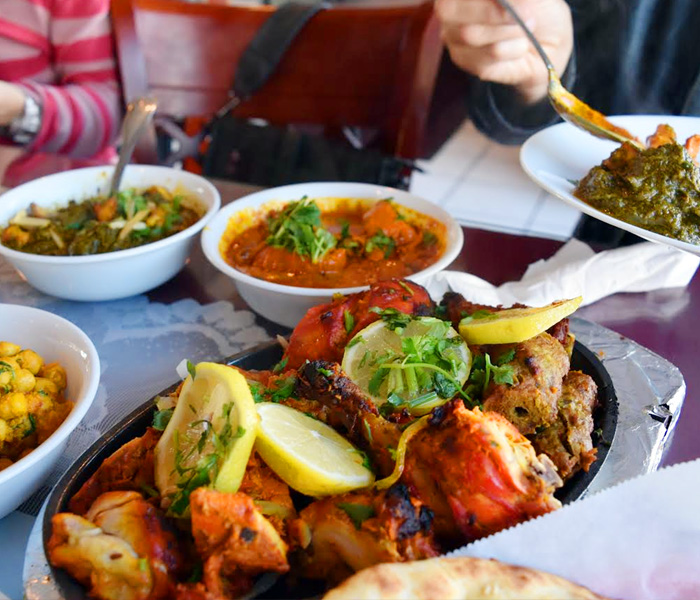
(334, 242)
(657, 188)
(101, 224)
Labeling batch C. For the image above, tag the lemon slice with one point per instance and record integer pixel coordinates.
(378, 344)
(308, 455)
(514, 325)
(210, 435)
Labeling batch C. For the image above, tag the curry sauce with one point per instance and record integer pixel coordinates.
(348, 243)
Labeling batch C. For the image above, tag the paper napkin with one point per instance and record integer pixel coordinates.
(576, 270)
(639, 540)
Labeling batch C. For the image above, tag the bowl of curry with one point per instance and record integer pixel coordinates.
(292, 247)
(67, 238)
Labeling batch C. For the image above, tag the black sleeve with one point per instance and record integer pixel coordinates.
(498, 113)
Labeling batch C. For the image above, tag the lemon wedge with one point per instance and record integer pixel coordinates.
(308, 455)
(514, 325)
(209, 437)
(416, 353)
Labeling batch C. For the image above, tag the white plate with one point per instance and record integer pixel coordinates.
(561, 154)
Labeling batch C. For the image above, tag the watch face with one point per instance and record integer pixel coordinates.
(23, 129)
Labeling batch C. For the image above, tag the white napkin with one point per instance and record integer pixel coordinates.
(639, 540)
(576, 270)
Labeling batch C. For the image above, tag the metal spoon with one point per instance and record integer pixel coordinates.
(570, 108)
(139, 114)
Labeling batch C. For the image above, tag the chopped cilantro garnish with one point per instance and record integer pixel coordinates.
(429, 238)
(191, 369)
(280, 365)
(405, 286)
(32, 427)
(358, 513)
(394, 318)
(380, 241)
(161, 418)
(298, 228)
(358, 339)
(349, 321)
(478, 315)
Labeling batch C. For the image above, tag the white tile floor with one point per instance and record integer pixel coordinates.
(482, 185)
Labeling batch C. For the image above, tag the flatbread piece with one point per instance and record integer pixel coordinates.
(461, 578)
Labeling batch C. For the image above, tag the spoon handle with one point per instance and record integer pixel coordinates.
(139, 114)
(531, 36)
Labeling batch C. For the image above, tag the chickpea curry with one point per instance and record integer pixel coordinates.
(349, 242)
(101, 224)
(32, 402)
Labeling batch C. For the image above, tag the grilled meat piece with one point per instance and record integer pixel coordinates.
(322, 334)
(568, 440)
(235, 541)
(123, 549)
(360, 529)
(474, 470)
(540, 365)
(457, 307)
(269, 492)
(350, 411)
(129, 468)
(477, 473)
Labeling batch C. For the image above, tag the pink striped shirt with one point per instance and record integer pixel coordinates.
(61, 52)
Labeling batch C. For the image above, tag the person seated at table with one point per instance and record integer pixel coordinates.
(58, 85)
(618, 56)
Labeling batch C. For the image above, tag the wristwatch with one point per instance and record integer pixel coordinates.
(23, 129)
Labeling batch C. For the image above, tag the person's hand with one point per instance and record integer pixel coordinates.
(11, 102)
(484, 40)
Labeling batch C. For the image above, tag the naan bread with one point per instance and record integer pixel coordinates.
(457, 579)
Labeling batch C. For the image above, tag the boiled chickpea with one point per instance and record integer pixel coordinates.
(28, 359)
(8, 349)
(13, 405)
(55, 373)
(24, 381)
(46, 386)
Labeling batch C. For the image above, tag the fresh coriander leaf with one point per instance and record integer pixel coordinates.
(429, 238)
(280, 365)
(349, 321)
(143, 565)
(506, 357)
(376, 381)
(405, 286)
(358, 339)
(380, 241)
(394, 318)
(345, 231)
(161, 418)
(284, 389)
(358, 513)
(444, 387)
(325, 372)
(191, 369)
(257, 392)
(32, 427)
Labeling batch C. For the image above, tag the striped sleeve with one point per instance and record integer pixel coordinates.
(81, 112)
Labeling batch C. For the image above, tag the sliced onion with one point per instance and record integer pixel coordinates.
(407, 434)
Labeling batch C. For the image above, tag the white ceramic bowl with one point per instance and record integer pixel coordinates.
(56, 340)
(111, 275)
(285, 304)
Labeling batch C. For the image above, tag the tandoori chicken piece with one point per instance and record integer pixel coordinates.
(474, 470)
(129, 468)
(325, 330)
(357, 530)
(539, 367)
(123, 549)
(235, 541)
(568, 441)
(478, 473)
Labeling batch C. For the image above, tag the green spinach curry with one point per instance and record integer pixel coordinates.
(657, 188)
(101, 224)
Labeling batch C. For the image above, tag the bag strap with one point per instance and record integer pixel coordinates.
(265, 51)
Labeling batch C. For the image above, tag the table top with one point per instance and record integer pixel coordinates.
(662, 321)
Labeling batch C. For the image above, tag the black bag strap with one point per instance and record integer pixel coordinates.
(265, 51)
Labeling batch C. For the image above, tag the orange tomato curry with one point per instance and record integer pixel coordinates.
(353, 242)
